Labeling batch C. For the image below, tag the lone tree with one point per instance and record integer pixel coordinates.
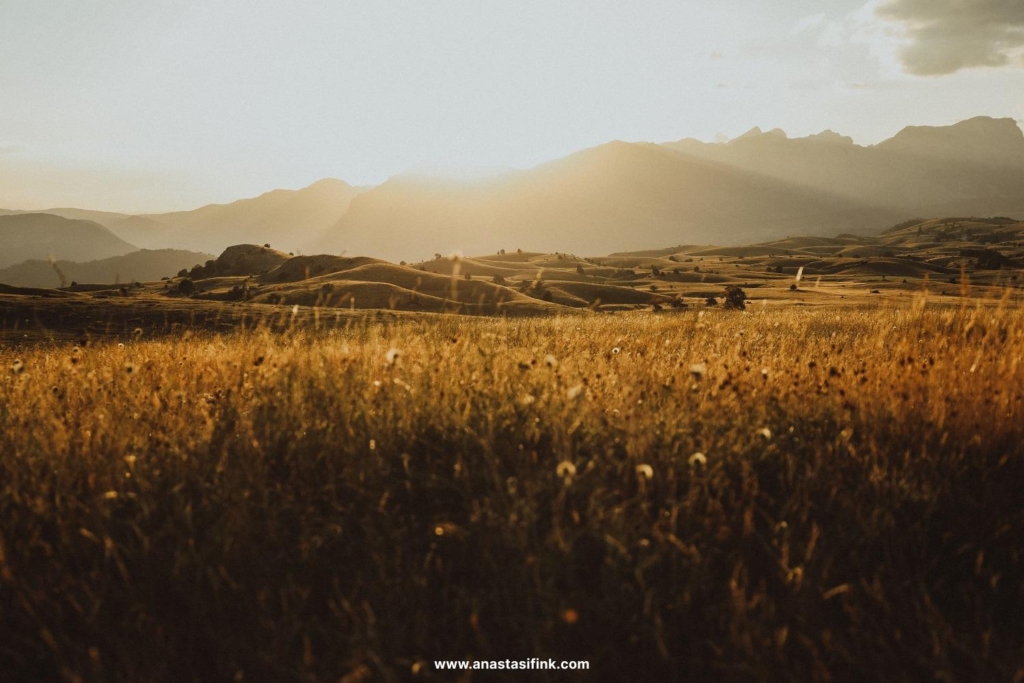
(735, 298)
(187, 287)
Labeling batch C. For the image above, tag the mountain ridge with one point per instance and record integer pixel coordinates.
(27, 236)
(761, 184)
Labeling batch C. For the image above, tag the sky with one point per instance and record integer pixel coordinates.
(170, 104)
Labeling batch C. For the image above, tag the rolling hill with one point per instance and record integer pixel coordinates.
(144, 265)
(42, 236)
(953, 261)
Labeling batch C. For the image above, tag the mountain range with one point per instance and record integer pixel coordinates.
(614, 197)
(43, 236)
(974, 167)
(285, 217)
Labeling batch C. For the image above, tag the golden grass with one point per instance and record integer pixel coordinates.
(300, 506)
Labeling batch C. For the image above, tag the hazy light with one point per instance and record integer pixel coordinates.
(174, 103)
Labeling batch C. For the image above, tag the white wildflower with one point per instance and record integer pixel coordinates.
(565, 471)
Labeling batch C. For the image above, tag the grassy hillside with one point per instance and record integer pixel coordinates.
(798, 494)
(952, 259)
(940, 255)
(139, 266)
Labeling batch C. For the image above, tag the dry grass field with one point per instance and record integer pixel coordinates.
(785, 493)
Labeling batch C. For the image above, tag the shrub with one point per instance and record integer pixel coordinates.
(735, 298)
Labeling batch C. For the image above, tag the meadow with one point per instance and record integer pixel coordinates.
(820, 494)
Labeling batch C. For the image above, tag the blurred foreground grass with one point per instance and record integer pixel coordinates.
(770, 495)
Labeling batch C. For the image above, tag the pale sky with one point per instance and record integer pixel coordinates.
(155, 105)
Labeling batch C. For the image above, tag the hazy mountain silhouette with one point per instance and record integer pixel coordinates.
(41, 236)
(139, 266)
(625, 196)
(975, 167)
(981, 140)
(286, 219)
(613, 197)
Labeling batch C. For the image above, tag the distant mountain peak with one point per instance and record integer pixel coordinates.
(756, 132)
(41, 235)
(1006, 124)
(328, 183)
(977, 127)
(980, 139)
(752, 133)
(830, 136)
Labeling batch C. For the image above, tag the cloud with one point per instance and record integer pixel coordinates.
(860, 43)
(808, 23)
(944, 36)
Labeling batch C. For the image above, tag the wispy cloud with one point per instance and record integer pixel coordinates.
(809, 23)
(944, 36)
(863, 30)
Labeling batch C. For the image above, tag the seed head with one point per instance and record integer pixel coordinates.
(565, 471)
(698, 459)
